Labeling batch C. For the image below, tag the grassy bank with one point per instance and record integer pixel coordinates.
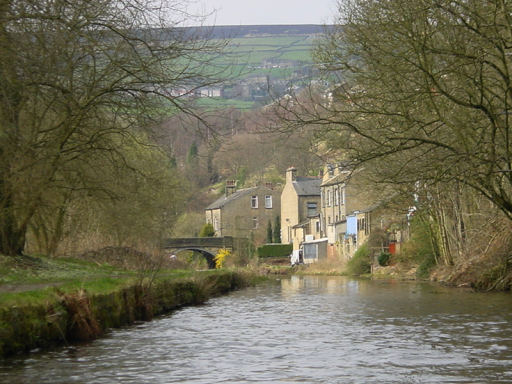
(46, 302)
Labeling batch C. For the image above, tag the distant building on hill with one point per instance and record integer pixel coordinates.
(245, 212)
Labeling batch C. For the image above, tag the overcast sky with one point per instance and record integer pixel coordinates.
(252, 12)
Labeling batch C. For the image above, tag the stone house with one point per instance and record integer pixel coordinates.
(350, 212)
(300, 209)
(245, 212)
(345, 213)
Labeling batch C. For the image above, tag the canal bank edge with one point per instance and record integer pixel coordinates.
(80, 316)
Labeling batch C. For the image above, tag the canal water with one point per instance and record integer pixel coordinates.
(300, 330)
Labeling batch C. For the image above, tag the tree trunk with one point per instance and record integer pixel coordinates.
(12, 238)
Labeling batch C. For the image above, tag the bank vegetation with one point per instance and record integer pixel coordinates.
(47, 302)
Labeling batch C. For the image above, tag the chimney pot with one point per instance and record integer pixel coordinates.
(230, 187)
(291, 174)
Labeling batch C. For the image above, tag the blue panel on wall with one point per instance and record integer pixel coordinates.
(352, 225)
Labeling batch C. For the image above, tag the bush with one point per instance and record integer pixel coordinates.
(220, 258)
(426, 266)
(207, 230)
(419, 247)
(418, 250)
(360, 263)
(275, 250)
(383, 259)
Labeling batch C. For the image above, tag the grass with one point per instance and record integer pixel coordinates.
(28, 280)
(253, 51)
(213, 103)
(28, 298)
(323, 268)
(269, 41)
(26, 270)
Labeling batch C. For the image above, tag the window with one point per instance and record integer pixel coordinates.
(323, 198)
(216, 224)
(336, 197)
(312, 208)
(329, 198)
(268, 201)
(342, 196)
(254, 202)
(254, 222)
(317, 226)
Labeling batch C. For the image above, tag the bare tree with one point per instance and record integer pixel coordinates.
(421, 90)
(79, 80)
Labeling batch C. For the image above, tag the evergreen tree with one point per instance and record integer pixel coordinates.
(277, 230)
(269, 232)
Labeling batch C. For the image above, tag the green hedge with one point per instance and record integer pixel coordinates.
(275, 250)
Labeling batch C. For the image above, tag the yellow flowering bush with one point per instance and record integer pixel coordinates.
(221, 256)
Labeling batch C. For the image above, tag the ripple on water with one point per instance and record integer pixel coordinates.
(313, 330)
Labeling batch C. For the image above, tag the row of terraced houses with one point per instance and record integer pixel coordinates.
(328, 216)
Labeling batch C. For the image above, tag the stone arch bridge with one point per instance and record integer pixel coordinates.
(207, 246)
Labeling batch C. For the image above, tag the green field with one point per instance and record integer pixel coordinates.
(253, 51)
(253, 59)
(213, 103)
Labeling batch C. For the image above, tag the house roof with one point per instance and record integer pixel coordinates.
(307, 186)
(338, 179)
(219, 203)
(368, 209)
(300, 225)
(222, 201)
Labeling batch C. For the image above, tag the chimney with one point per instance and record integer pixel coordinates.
(230, 187)
(291, 174)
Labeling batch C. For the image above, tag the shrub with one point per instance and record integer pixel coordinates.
(419, 250)
(426, 266)
(220, 258)
(383, 259)
(207, 230)
(275, 250)
(419, 247)
(360, 263)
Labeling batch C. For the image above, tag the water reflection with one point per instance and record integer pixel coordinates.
(319, 284)
(305, 329)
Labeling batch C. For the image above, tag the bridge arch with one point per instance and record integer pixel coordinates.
(207, 246)
(208, 255)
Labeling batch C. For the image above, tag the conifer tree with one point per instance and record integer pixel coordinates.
(277, 230)
(269, 232)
